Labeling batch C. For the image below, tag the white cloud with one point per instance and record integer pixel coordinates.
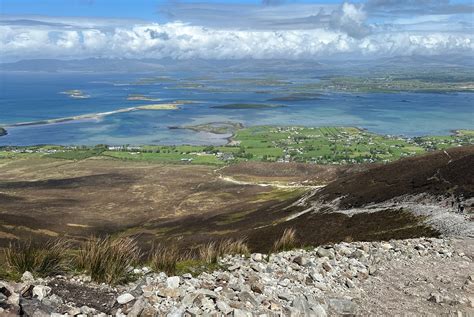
(346, 34)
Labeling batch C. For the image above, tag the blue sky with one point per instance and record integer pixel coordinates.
(139, 9)
(260, 29)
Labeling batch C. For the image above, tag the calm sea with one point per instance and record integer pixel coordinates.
(36, 96)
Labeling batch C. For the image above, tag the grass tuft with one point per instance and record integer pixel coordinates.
(46, 260)
(209, 252)
(286, 242)
(233, 247)
(166, 258)
(108, 260)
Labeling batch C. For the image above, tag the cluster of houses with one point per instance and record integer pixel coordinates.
(294, 149)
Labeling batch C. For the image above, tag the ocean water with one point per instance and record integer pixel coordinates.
(26, 97)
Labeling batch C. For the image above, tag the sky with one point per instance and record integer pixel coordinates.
(255, 29)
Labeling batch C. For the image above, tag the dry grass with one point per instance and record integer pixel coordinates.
(287, 241)
(165, 258)
(209, 252)
(48, 259)
(232, 247)
(108, 260)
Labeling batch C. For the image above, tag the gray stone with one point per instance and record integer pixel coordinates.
(188, 299)
(435, 298)
(301, 304)
(285, 296)
(223, 307)
(321, 286)
(172, 282)
(350, 283)
(187, 276)
(74, 311)
(233, 267)
(285, 282)
(342, 306)
(257, 287)
(301, 260)
(358, 254)
(27, 277)
(137, 308)
(41, 291)
(125, 298)
(86, 310)
(176, 312)
(34, 307)
(246, 297)
(319, 310)
(207, 293)
(322, 252)
(327, 267)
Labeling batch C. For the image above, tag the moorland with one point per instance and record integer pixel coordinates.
(191, 193)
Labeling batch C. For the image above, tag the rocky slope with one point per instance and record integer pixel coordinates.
(428, 195)
(398, 277)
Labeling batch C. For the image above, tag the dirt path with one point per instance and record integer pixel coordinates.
(271, 184)
(423, 286)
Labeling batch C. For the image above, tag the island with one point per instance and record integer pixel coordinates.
(298, 97)
(161, 106)
(140, 97)
(75, 93)
(3, 132)
(224, 127)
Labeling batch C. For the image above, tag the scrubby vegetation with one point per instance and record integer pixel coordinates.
(165, 258)
(42, 260)
(109, 260)
(170, 259)
(287, 241)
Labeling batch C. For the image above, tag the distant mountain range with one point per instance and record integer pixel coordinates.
(151, 65)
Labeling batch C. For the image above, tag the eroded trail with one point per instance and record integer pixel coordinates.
(268, 184)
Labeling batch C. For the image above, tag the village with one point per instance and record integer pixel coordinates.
(317, 145)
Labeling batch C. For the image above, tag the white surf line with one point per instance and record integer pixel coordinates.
(72, 118)
(87, 116)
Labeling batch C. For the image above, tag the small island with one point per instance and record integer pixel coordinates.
(75, 93)
(140, 97)
(3, 132)
(298, 97)
(224, 127)
(161, 106)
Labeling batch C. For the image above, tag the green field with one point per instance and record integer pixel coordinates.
(390, 83)
(321, 145)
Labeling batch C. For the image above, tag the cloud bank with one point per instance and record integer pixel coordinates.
(274, 30)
